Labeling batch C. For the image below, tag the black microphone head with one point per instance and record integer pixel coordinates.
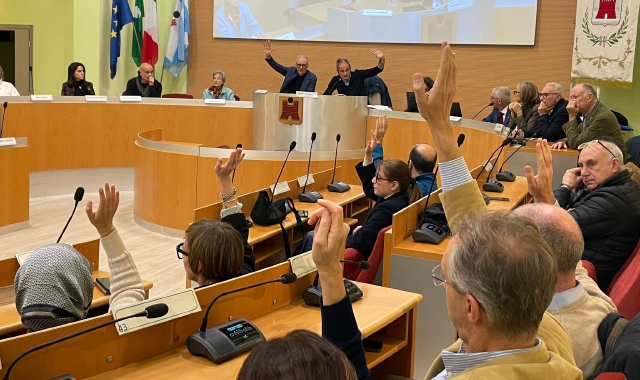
(5, 104)
(364, 265)
(313, 136)
(238, 146)
(292, 146)
(490, 104)
(461, 139)
(79, 194)
(288, 278)
(507, 141)
(338, 137)
(156, 311)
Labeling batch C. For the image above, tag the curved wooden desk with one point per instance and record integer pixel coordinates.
(14, 187)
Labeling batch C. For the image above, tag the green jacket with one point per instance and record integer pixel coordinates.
(600, 122)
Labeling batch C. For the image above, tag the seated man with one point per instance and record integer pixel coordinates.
(607, 211)
(498, 273)
(553, 114)
(422, 158)
(144, 84)
(578, 304)
(296, 78)
(501, 114)
(597, 120)
(351, 83)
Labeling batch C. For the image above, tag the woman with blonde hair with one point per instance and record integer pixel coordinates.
(524, 109)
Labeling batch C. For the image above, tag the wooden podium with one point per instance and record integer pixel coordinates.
(14, 187)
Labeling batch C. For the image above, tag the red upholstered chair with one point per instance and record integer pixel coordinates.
(178, 96)
(355, 273)
(591, 270)
(236, 97)
(611, 376)
(625, 286)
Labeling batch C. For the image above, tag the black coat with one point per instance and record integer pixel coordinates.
(550, 126)
(155, 91)
(609, 217)
(625, 355)
(356, 83)
(239, 222)
(380, 216)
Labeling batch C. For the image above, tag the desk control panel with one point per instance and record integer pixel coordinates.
(225, 341)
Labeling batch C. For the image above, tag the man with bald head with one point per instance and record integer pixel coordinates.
(296, 78)
(422, 159)
(144, 84)
(578, 303)
(597, 120)
(602, 198)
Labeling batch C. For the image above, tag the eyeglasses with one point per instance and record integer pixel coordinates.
(438, 275)
(378, 178)
(516, 92)
(302, 64)
(544, 95)
(180, 252)
(592, 143)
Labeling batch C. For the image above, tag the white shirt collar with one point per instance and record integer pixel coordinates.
(567, 297)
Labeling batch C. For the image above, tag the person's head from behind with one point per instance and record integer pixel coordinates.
(500, 97)
(212, 252)
(599, 160)
(302, 64)
(53, 287)
(299, 355)
(393, 176)
(75, 73)
(146, 71)
(526, 94)
(428, 84)
(499, 277)
(343, 67)
(584, 96)
(563, 235)
(219, 79)
(551, 94)
(422, 159)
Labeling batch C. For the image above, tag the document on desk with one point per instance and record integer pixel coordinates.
(180, 304)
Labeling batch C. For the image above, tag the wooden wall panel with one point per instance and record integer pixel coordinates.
(480, 68)
(14, 185)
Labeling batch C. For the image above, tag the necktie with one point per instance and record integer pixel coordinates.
(500, 118)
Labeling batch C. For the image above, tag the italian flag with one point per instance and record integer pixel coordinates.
(150, 38)
(136, 44)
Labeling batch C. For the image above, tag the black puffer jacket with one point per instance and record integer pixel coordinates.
(609, 217)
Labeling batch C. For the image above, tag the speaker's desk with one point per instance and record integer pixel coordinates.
(380, 309)
(14, 187)
(407, 265)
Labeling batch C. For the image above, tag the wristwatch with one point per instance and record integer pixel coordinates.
(566, 187)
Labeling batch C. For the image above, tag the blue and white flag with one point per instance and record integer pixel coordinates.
(178, 45)
(120, 16)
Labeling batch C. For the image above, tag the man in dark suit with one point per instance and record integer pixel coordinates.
(351, 83)
(296, 78)
(553, 114)
(500, 97)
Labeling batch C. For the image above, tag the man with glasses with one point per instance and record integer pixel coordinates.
(351, 83)
(501, 114)
(597, 120)
(296, 78)
(553, 114)
(607, 209)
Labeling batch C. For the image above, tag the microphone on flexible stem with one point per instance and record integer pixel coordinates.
(234, 169)
(232, 338)
(334, 86)
(429, 232)
(339, 187)
(483, 108)
(492, 184)
(506, 175)
(292, 146)
(4, 112)
(313, 295)
(77, 197)
(153, 311)
(309, 196)
(505, 142)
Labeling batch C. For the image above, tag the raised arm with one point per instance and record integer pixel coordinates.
(380, 56)
(382, 124)
(126, 285)
(271, 61)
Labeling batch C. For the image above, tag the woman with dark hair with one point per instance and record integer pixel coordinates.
(234, 19)
(76, 85)
(524, 110)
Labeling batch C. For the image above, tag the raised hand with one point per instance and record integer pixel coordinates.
(540, 185)
(102, 218)
(377, 53)
(381, 128)
(267, 48)
(225, 171)
(371, 145)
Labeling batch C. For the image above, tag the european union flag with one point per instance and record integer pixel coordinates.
(120, 16)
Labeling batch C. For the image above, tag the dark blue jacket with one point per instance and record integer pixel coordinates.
(493, 117)
(550, 126)
(376, 84)
(290, 73)
(426, 182)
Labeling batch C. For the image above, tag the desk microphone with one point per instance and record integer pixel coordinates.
(483, 108)
(492, 184)
(4, 112)
(234, 169)
(505, 142)
(339, 187)
(333, 87)
(313, 295)
(77, 197)
(311, 196)
(153, 311)
(232, 338)
(291, 147)
(506, 175)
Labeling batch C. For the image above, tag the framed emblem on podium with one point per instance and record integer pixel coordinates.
(290, 110)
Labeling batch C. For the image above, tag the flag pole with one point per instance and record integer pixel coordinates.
(162, 75)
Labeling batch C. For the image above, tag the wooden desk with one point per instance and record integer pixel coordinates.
(563, 160)
(14, 187)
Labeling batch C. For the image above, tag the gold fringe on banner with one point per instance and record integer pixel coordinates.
(602, 82)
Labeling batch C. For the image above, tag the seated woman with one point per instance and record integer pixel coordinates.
(215, 251)
(218, 91)
(54, 285)
(76, 85)
(524, 110)
(6, 88)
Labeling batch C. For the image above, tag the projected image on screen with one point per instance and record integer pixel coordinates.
(486, 22)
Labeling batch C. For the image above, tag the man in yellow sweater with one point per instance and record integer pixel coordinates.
(498, 273)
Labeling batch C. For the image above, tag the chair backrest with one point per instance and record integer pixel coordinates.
(591, 270)
(355, 273)
(625, 287)
(178, 96)
(236, 97)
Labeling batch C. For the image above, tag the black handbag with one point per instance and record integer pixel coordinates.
(267, 213)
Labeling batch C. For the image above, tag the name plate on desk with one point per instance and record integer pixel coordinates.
(261, 91)
(215, 101)
(41, 98)
(130, 98)
(303, 179)
(302, 264)
(280, 188)
(95, 98)
(180, 304)
(498, 128)
(377, 12)
(306, 94)
(455, 118)
(8, 141)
